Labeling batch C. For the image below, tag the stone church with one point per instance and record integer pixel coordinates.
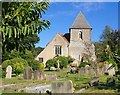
(76, 43)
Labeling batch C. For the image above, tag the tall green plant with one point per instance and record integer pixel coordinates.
(21, 19)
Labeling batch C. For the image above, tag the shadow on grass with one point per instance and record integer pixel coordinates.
(103, 86)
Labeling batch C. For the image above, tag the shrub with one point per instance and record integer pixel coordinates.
(83, 64)
(70, 60)
(63, 62)
(41, 66)
(35, 65)
(18, 65)
(51, 63)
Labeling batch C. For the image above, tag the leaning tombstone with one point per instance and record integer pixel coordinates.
(8, 72)
(111, 71)
(62, 87)
(27, 73)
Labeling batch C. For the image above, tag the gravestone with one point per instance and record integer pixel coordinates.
(87, 67)
(8, 72)
(82, 70)
(62, 87)
(101, 70)
(36, 75)
(51, 77)
(91, 71)
(42, 75)
(27, 73)
(111, 71)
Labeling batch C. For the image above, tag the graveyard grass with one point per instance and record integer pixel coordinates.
(62, 76)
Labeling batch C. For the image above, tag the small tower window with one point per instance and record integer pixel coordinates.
(80, 35)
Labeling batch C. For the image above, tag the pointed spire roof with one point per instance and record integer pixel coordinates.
(80, 22)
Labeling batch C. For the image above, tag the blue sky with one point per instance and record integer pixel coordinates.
(62, 15)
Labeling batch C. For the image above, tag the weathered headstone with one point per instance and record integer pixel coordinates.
(111, 71)
(51, 76)
(27, 73)
(62, 87)
(87, 67)
(91, 71)
(36, 75)
(8, 72)
(42, 75)
(82, 70)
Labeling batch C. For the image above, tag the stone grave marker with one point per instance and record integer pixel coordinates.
(91, 71)
(62, 87)
(42, 75)
(51, 77)
(8, 72)
(27, 73)
(87, 67)
(36, 75)
(111, 71)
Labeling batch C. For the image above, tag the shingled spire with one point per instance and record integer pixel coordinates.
(80, 22)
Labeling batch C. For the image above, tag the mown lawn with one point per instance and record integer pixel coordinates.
(62, 76)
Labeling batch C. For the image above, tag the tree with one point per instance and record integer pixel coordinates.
(109, 37)
(21, 19)
(62, 60)
(36, 51)
(18, 64)
(100, 51)
(51, 63)
(112, 58)
(27, 55)
(35, 65)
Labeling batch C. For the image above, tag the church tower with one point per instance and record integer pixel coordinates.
(80, 33)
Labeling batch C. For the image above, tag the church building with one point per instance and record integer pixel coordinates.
(76, 43)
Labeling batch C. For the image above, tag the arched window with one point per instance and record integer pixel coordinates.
(80, 35)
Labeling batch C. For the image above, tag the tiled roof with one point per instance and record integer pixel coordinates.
(80, 22)
(66, 37)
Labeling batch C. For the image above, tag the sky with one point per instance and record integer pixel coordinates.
(62, 14)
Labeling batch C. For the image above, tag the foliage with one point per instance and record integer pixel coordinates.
(18, 65)
(22, 21)
(109, 37)
(62, 60)
(83, 64)
(112, 58)
(41, 66)
(100, 51)
(51, 63)
(27, 55)
(36, 51)
(35, 65)
(70, 60)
